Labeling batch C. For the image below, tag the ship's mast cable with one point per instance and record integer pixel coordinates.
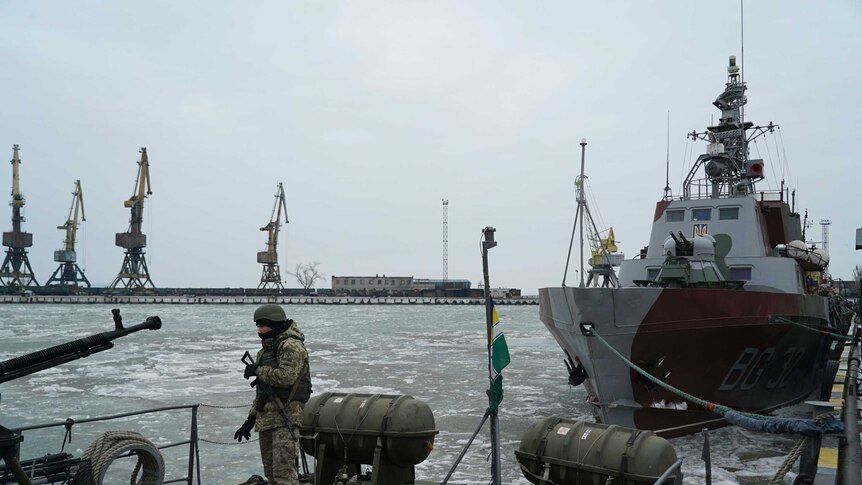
(742, 64)
(682, 166)
(786, 165)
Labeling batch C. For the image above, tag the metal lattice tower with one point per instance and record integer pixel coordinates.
(445, 239)
(16, 271)
(824, 225)
(134, 274)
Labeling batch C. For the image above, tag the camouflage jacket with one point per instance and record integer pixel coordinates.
(291, 355)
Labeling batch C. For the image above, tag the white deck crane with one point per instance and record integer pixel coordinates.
(271, 275)
(134, 273)
(69, 273)
(15, 272)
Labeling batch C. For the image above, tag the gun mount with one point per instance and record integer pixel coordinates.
(45, 359)
(69, 351)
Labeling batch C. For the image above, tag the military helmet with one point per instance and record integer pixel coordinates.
(271, 312)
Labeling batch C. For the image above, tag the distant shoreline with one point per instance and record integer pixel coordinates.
(240, 300)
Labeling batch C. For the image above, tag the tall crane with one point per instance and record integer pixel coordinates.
(134, 273)
(271, 276)
(16, 271)
(69, 273)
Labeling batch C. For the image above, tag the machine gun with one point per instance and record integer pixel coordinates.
(684, 247)
(51, 357)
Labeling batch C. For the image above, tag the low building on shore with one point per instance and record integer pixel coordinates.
(383, 285)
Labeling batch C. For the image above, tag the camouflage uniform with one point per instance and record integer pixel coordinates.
(277, 446)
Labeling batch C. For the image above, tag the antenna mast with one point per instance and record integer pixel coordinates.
(824, 225)
(667, 194)
(445, 239)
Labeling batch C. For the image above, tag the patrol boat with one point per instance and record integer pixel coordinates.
(721, 305)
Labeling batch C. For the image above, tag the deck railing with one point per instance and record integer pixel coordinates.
(194, 470)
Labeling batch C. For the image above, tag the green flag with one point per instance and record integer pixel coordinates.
(499, 358)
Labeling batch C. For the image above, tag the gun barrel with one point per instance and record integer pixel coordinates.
(58, 354)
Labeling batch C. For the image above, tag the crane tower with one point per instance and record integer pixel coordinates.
(271, 275)
(16, 270)
(134, 273)
(69, 273)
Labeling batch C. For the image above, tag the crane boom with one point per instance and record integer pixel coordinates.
(17, 196)
(71, 224)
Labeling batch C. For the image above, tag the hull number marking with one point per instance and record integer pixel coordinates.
(751, 364)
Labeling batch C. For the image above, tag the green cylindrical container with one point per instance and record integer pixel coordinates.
(354, 423)
(566, 451)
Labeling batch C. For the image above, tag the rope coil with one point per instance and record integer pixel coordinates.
(113, 444)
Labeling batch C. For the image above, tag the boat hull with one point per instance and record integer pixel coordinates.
(728, 347)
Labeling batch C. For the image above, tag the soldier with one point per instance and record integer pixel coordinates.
(283, 387)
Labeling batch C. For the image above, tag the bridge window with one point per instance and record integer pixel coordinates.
(674, 215)
(728, 213)
(701, 214)
(740, 273)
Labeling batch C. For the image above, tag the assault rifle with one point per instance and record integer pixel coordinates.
(51, 357)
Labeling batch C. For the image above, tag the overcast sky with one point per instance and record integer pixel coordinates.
(370, 113)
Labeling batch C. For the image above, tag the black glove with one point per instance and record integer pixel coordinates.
(250, 370)
(244, 431)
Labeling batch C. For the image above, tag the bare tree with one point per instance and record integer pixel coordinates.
(307, 274)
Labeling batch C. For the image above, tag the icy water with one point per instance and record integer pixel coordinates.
(435, 354)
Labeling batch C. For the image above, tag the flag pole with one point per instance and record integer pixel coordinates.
(487, 244)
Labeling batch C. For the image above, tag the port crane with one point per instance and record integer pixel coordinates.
(604, 256)
(271, 275)
(134, 273)
(69, 273)
(16, 271)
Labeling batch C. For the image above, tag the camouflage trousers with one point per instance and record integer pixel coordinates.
(278, 452)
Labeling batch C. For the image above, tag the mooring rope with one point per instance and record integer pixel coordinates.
(750, 421)
(785, 467)
(836, 336)
(795, 453)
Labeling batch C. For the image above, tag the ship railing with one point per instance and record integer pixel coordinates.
(673, 470)
(701, 189)
(849, 466)
(193, 472)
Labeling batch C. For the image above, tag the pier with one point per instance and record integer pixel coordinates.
(257, 300)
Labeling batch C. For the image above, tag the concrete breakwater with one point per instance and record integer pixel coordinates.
(256, 300)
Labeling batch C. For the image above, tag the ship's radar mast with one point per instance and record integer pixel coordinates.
(729, 171)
